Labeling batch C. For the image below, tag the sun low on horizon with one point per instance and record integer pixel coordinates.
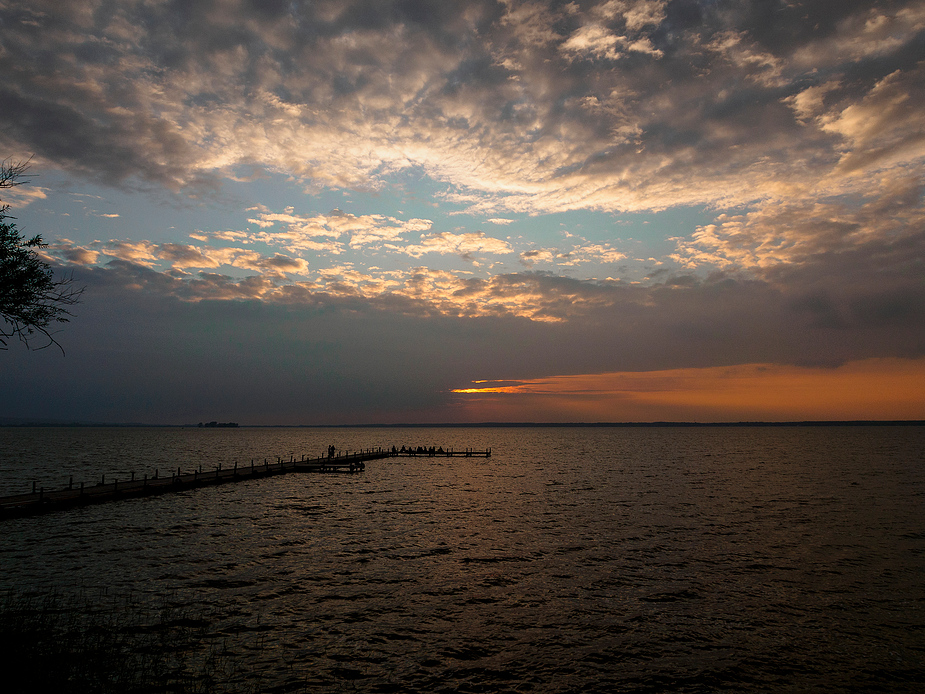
(419, 211)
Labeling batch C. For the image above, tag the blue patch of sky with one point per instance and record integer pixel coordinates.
(77, 211)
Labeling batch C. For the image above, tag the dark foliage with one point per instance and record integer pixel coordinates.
(31, 299)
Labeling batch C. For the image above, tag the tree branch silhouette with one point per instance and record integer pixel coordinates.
(32, 301)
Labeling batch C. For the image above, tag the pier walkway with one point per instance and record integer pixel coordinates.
(438, 453)
(41, 500)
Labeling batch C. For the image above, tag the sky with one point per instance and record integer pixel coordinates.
(337, 212)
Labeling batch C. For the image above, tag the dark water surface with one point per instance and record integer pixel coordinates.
(591, 560)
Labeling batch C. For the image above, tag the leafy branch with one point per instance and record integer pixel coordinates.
(32, 301)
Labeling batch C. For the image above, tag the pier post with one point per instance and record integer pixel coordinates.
(70, 484)
(81, 488)
(41, 494)
(133, 475)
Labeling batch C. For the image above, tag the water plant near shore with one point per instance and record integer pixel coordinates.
(76, 644)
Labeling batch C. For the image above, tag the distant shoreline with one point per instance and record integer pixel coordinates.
(478, 425)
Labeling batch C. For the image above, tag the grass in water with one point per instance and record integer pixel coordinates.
(77, 645)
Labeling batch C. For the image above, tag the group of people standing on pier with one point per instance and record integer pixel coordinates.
(420, 450)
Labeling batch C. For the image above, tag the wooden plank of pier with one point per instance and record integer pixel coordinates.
(45, 501)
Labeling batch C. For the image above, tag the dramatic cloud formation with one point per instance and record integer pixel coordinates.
(412, 195)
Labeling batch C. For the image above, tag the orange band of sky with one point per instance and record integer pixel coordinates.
(873, 389)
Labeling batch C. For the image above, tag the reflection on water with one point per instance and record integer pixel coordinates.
(626, 559)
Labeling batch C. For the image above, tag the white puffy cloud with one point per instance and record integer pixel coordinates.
(456, 244)
(302, 232)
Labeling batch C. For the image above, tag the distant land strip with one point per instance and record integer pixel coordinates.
(24, 422)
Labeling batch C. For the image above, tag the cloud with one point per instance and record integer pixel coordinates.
(869, 32)
(594, 41)
(140, 252)
(531, 257)
(800, 232)
(21, 196)
(576, 255)
(72, 254)
(602, 253)
(302, 231)
(531, 23)
(233, 236)
(885, 127)
(343, 96)
(167, 257)
(456, 244)
(637, 14)
(184, 256)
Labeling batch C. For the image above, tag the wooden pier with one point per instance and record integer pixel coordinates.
(438, 453)
(41, 500)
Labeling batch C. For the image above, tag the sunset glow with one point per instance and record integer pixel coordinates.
(865, 390)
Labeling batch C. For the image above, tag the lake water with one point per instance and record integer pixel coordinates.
(573, 560)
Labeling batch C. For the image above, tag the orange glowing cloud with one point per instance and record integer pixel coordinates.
(873, 389)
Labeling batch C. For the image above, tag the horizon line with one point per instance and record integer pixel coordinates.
(27, 422)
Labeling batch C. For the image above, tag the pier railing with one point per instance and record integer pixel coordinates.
(41, 500)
